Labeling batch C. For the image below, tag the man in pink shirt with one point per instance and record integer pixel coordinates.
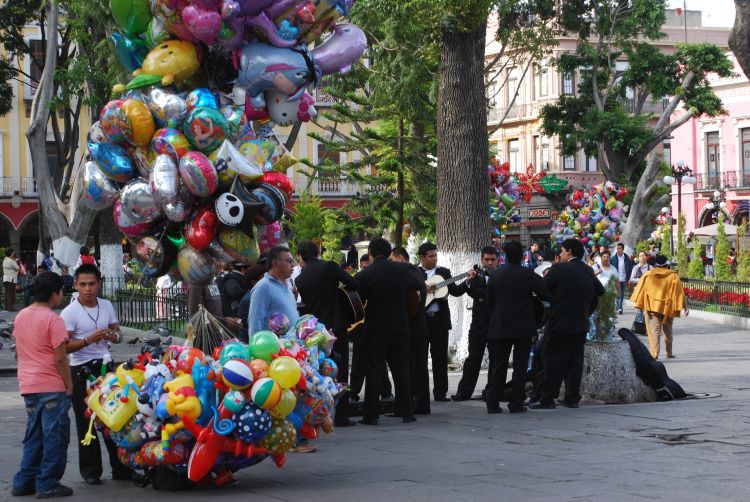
(46, 386)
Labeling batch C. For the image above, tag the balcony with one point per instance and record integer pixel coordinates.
(717, 181)
(654, 108)
(10, 186)
(524, 111)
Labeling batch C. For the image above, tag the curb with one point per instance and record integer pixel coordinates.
(724, 319)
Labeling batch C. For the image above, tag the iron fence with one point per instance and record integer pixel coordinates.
(143, 305)
(731, 298)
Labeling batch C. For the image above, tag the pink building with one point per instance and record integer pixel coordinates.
(717, 149)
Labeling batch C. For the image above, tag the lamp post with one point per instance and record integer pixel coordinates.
(681, 173)
(668, 217)
(717, 203)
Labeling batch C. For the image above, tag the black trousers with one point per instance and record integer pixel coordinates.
(379, 350)
(500, 352)
(437, 336)
(90, 456)
(473, 362)
(341, 350)
(359, 370)
(563, 360)
(420, 374)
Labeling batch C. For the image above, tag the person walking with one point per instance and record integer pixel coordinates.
(512, 326)
(271, 294)
(604, 270)
(660, 295)
(45, 383)
(575, 291)
(623, 264)
(10, 278)
(91, 323)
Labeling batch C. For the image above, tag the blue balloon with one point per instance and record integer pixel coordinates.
(200, 97)
(252, 423)
(113, 160)
(130, 51)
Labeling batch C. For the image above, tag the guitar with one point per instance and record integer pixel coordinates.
(353, 307)
(441, 285)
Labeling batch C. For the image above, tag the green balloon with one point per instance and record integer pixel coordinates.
(176, 238)
(234, 350)
(263, 345)
(132, 16)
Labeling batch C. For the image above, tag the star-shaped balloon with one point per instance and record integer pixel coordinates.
(529, 182)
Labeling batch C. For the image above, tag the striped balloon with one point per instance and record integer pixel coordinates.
(266, 393)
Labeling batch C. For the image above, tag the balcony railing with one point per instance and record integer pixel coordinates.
(716, 181)
(10, 186)
(652, 107)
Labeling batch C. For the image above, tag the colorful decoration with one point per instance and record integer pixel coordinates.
(528, 182)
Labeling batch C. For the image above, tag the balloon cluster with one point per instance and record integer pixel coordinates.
(192, 165)
(594, 215)
(210, 415)
(504, 196)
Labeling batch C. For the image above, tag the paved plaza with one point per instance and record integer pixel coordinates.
(692, 450)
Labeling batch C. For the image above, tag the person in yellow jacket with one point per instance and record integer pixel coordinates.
(660, 295)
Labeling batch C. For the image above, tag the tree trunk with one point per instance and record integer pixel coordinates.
(398, 238)
(110, 253)
(739, 37)
(642, 208)
(463, 225)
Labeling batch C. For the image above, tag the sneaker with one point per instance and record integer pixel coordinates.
(619, 311)
(59, 491)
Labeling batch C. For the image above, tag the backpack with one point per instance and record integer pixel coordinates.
(88, 260)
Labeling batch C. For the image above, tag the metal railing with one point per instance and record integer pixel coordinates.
(731, 298)
(142, 305)
(10, 186)
(736, 179)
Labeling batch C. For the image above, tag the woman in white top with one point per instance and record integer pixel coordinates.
(605, 271)
(10, 278)
(641, 268)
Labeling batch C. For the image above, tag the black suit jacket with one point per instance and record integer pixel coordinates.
(481, 310)
(318, 285)
(574, 289)
(444, 314)
(511, 289)
(383, 285)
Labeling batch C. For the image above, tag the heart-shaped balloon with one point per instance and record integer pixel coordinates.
(169, 109)
(132, 16)
(98, 190)
(202, 24)
(165, 181)
(280, 181)
(201, 231)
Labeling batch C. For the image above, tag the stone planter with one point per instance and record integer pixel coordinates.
(609, 375)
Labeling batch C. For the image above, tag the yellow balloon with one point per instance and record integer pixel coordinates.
(286, 371)
(285, 406)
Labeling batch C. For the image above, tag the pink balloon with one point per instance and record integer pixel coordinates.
(270, 238)
(202, 24)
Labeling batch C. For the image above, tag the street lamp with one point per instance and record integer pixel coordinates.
(667, 218)
(681, 173)
(716, 203)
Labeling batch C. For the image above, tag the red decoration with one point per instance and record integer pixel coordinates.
(529, 182)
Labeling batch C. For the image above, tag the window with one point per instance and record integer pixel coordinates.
(568, 82)
(328, 181)
(590, 163)
(667, 152)
(745, 157)
(713, 163)
(34, 70)
(569, 162)
(541, 152)
(493, 92)
(541, 82)
(514, 155)
(510, 95)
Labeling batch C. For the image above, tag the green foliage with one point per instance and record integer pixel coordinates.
(683, 255)
(743, 256)
(307, 223)
(695, 268)
(334, 229)
(722, 270)
(605, 313)
(642, 246)
(666, 241)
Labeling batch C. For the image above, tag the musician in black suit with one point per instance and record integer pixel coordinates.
(420, 374)
(384, 285)
(318, 286)
(575, 291)
(439, 318)
(481, 312)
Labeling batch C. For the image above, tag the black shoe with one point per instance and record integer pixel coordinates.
(517, 409)
(494, 409)
(408, 420)
(122, 476)
(394, 415)
(571, 405)
(59, 491)
(422, 412)
(542, 406)
(344, 423)
(619, 311)
(366, 421)
(458, 397)
(22, 492)
(484, 395)
(441, 399)
(93, 481)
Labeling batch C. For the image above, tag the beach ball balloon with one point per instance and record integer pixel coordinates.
(237, 374)
(286, 371)
(266, 393)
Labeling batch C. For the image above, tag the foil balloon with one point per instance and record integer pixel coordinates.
(340, 50)
(168, 63)
(218, 253)
(131, 51)
(230, 163)
(201, 230)
(139, 202)
(142, 160)
(169, 109)
(169, 141)
(285, 113)
(138, 122)
(204, 25)
(132, 16)
(113, 160)
(258, 153)
(111, 122)
(164, 180)
(204, 128)
(200, 97)
(280, 181)
(278, 323)
(273, 204)
(98, 190)
(155, 34)
(180, 209)
(96, 133)
(127, 225)
(196, 267)
(238, 245)
(198, 174)
(154, 257)
(236, 122)
(269, 236)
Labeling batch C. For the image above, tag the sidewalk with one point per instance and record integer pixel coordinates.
(696, 450)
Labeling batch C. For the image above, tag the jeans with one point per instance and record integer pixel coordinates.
(45, 445)
(620, 295)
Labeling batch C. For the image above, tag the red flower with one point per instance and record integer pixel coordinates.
(529, 182)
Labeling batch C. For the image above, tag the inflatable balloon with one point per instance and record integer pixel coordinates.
(201, 230)
(266, 393)
(154, 256)
(252, 423)
(164, 180)
(286, 371)
(234, 350)
(168, 63)
(237, 374)
(196, 267)
(280, 181)
(204, 128)
(169, 109)
(139, 123)
(263, 345)
(127, 225)
(139, 202)
(238, 245)
(230, 163)
(133, 16)
(200, 97)
(170, 142)
(98, 190)
(281, 438)
(198, 174)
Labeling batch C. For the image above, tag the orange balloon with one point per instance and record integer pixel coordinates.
(260, 369)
